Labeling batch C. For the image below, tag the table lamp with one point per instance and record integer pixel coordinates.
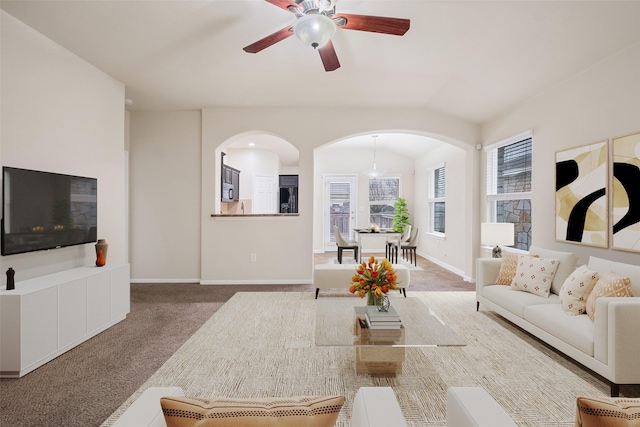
(496, 234)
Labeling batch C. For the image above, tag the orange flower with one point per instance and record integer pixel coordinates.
(374, 276)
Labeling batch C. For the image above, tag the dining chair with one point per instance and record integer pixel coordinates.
(393, 244)
(409, 248)
(343, 244)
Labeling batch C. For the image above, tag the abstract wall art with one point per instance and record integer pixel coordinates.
(581, 195)
(625, 193)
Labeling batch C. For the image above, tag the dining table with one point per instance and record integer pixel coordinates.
(376, 241)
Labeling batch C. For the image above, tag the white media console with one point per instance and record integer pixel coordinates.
(46, 316)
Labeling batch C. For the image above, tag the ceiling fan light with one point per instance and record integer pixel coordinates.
(314, 30)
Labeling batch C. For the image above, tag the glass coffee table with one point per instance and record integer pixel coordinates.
(380, 351)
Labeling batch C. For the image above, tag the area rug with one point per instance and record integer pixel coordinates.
(262, 345)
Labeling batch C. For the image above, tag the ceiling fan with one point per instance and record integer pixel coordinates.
(316, 22)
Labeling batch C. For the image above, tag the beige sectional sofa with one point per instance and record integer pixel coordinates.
(608, 345)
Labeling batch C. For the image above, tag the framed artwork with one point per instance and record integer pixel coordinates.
(581, 195)
(625, 193)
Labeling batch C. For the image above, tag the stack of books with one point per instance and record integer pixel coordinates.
(382, 319)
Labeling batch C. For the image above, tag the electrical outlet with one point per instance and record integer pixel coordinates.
(253, 258)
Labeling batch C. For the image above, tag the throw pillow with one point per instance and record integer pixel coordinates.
(609, 285)
(607, 412)
(302, 411)
(507, 268)
(568, 262)
(576, 290)
(534, 275)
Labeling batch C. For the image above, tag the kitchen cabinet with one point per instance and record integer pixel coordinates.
(230, 184)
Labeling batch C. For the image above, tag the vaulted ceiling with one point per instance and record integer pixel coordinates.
(472, 60)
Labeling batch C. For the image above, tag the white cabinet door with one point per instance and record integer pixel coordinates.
(98, 301)
(73, 312)
(120, 293)
(39, 320)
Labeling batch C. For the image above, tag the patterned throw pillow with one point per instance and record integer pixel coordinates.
(507, 268)
(576, 290)
(534, 275)
(609, 285)
(310, 411)
(607, 412)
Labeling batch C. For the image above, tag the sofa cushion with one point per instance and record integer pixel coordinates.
(609, 284)
(515, 301)
(577, 331)
(534, 275)
(301, 411)
(576, 290)
(607, 412)
(507, 268)
(567, 260)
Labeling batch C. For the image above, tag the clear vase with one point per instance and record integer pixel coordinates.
(372, 299)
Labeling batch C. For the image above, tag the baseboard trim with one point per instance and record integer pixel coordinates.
(165, 280)
(446, 266)
(257, 282)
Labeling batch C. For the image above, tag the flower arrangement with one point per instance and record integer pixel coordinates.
(373, 279)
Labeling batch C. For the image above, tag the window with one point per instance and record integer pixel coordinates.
(437, 186)
(383, 193)
(509, 186)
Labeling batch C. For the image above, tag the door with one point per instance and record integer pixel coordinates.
(339, 208)
(265, 194)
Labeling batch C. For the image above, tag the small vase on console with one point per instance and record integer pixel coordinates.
(101, 252)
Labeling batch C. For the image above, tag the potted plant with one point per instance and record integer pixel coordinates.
(400, 215)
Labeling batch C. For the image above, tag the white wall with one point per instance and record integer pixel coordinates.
(165, 196)
(61, 114)
(598, 104)
(284, 246)
(452, 250)
(251, 163)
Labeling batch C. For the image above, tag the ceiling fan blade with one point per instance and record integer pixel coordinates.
(374, 24)
(269, 40)
(284, 4)
(329, 57)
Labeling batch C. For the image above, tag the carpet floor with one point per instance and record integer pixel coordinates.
(261, 345)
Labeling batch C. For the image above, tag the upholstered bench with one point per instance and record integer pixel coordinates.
(474, 407)
(326, 276)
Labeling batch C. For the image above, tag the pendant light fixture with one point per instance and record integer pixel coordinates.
(375, 172)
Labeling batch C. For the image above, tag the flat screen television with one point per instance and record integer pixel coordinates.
(44, 210)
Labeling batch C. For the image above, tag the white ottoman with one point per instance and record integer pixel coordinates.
(327, 276)
(474, 407)
(376, 407)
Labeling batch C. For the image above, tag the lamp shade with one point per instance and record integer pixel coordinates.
(497, 233)
(314, 30)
